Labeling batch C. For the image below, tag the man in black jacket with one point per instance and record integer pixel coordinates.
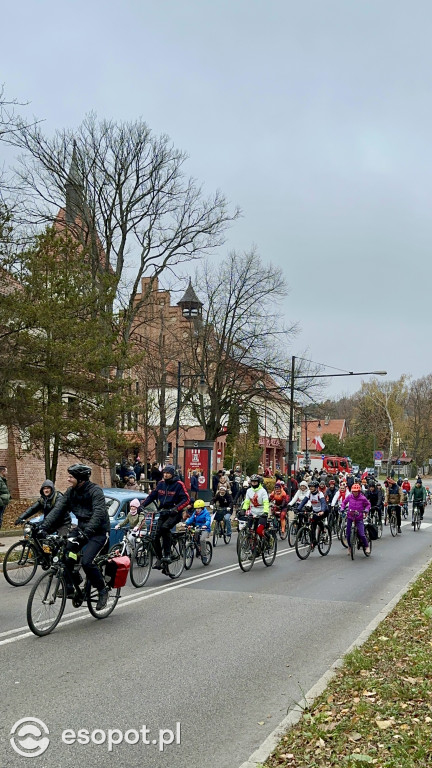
(172, 498)
(87, 501)
(44, 505)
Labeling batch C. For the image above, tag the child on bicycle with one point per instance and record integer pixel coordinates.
(357, 504)
(223, 504)
(279, 499)
(201, 519)
(132, 519)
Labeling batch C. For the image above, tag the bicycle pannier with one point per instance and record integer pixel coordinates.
(116, 571)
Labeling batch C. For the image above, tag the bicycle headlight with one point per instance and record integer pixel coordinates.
(27, 530)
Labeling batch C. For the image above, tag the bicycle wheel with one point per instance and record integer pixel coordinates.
(175, 568)
(353, 541)
(246, 552)
(141, 564)
(378, 523)
(368, 554)
(393, 523)
(207, 556)
(303, 544)
(216, 533)
(46, 603)
(282, 534)
(189, 555)
(226, 536)
(117, 550)
(269, 548)
(343, 536)
(324, 541)
(292, 533)
(20, 564)
(92, 598)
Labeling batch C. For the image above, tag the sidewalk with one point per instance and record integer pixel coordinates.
(7, 539)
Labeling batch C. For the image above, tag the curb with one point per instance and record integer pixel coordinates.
(270, 743)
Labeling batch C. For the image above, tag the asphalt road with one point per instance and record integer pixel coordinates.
(222, 652)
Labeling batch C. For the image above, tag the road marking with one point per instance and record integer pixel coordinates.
(130, 599)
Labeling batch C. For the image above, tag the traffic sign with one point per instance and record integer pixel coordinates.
(378, 463)
(378, 455)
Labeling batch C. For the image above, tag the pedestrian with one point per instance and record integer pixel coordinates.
(5, 496)
(194, 484)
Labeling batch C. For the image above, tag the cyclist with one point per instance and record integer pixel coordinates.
(418, 497)
(394, 496)
(87, 502)
(300, 494)
(257, 503)
(406, 485)
(331, 490)
(340, 493)
(316, 500)
(172, 498)
(280, 503)
(134, 517)
(41, 507)
(357, 504)
(375, 496)
(224, 506)
(201, 519)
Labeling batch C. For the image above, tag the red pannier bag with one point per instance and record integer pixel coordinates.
(116, 571)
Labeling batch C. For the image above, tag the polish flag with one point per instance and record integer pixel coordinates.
(318, 443)
(404, 454)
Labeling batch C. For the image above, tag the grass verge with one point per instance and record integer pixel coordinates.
(378, 708)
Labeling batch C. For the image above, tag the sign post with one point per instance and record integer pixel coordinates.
(198, 455)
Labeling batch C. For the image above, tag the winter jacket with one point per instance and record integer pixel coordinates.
(169, 495)
(223, 501)
(339, 496)
(132, 520)
(317, 501)
(194, 483)
(45, 503)
(279, 499)
(200, 518)
(87, 502)
(299, 496)
(257, 501)
(5, 496)
(375, 497)
(356, 506)
(418, 495)
(394, 494)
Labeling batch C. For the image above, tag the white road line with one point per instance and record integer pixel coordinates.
(130, 599)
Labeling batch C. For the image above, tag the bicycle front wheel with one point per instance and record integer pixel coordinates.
(324, 541)
(226, 536)
(283, 534)
(246, 552)
(207, 556)
(46, 603)
(176, 567)
(269, 548)
(20, 564)
(303, 543)
(189, 555)
(216, 532)
(353, 541)
(393, 524)
(141, 563)
(292, 532)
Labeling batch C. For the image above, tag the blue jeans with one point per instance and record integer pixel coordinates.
(227, 519)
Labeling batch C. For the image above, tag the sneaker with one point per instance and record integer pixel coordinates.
(157, 566)
(399, 530)
(367, 550)
(102, 600)
(166, 559)
(412, 522)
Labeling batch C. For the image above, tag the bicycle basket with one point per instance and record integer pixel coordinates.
(372, 531)
(151, 521)
(116, 571)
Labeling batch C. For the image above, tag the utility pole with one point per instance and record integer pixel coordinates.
(291, 425)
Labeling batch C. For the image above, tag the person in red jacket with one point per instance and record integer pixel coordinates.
(279, 502)
(406, 485)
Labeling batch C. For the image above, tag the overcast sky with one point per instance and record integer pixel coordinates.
(314, 116)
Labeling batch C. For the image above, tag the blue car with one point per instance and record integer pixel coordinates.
(117, 501)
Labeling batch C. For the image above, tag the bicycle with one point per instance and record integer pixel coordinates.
(376, 519)
(293, 527)
(219, 532)
(416, 518)
(137, 557)
(404, 510)
(392, 519)
(47, 599)
(193, 546)
(22, 558)
(303, 542)
(250, 546)
(142, 562)
(277, 523)
(355, 543)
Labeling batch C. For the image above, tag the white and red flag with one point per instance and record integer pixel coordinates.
(318, 443)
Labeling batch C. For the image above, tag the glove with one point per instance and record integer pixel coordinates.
(18, 521)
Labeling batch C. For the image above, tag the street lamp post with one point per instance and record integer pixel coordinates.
(291, 418)
(202, 389)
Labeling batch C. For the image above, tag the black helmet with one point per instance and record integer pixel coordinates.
(255, 479)
(79, 471)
